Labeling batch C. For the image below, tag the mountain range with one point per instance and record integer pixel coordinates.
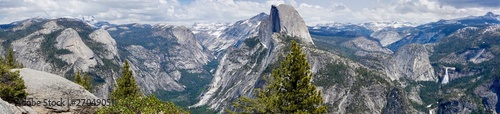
(374, 67)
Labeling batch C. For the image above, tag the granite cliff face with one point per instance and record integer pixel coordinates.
(243, 66)
(42, 85)
(363, 44)
(102, 36)
(388, 36)
(62, 47)
(80, 54)
(161, 55)
(218, 37)
(411, 62)
(286, 20)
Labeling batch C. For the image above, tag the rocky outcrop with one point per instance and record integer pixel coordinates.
(397, 103)
(209, 35)
(80, 54)
(161, 55)
(146, 65)
(29, 46)
(192, 50)
(410, 62)
(456, 107)
(386, 37)
(243, 66)
(489, 93)
(7, 108)
(286, 20)
(109, 44)
(45, 86)
(64, 46)
(219, 37)
(245, 28)
(364, 44)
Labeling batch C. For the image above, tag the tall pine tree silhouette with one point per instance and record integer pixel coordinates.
(289, 90)
(126, 85)
(127, 99)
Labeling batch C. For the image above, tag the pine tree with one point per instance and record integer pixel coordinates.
(86, 83)
(10, 59)
(78, 78)
(127, 99)
(12, 88)
(1, 60)
(84, 80)
(126, 85)
(289, 90)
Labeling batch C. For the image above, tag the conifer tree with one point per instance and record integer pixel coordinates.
(10, 59)
(126, 85)
(289, 90)
(127, 99)
(86, 83)
(12, 88)
(84, 80)
(78, 78)
(1, 60)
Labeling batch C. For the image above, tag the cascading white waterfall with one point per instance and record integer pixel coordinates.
(446, 78)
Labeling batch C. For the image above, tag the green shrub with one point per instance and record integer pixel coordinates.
(12, 88)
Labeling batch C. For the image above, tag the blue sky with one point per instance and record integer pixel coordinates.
(186, 12)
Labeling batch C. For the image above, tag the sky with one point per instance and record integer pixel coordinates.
(187, 12)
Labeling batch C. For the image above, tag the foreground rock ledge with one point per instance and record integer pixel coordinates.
(46, 86)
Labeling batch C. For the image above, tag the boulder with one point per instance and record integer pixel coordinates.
(43, 86)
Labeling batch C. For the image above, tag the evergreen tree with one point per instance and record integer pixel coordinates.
(12, 88)
(289, 90)
(86, 83)
(84, 80)
(144, 105)
(126, 85)
(127, 99)
(10, 60)
(78, 78)
(1, 60)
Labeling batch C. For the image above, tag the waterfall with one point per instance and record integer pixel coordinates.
(446, 77)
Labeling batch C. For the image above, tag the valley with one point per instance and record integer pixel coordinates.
(448, 66)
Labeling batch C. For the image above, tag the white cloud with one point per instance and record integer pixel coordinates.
(420, 11)
(186, 13)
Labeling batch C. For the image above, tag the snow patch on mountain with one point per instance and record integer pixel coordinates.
(374, 26)
(214, 29)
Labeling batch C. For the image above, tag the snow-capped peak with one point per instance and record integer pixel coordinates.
(376, 26)
(214, 29)
(91, 21)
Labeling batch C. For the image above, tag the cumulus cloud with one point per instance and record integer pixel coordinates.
(187, 12)
(472, 3)
(135, 11)
(419, 11)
